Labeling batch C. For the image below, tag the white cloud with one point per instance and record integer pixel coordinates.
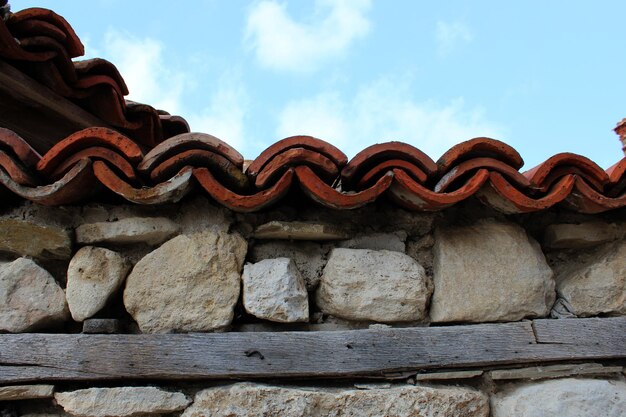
(149, 80)
(283, 44)
(382, 112)
(169, 87)
(450, 34)
(224, 116)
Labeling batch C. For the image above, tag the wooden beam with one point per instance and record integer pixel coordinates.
(57, 357)
(36, 113)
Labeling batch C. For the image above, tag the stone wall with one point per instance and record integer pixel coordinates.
(194, 267)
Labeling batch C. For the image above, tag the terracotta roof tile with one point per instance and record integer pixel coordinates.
(165, 174)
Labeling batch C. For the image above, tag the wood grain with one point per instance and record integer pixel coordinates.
(36, 113)
(50, 357)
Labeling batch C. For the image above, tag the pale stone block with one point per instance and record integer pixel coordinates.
(274, 290)
(383, 286)
(148, 230)
(188, 284)
(598, 285)
(562, 398)
(30, 298)
(26, 392)
(27, 238)
(243, 400)
(93, 276)
(121, 402)
(490, 271)
(299, 231)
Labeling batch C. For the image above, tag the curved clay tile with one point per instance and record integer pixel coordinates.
(585, 199)
(383, 168)
(87, 138)
(480, 148)
(169, 191)
(373, 155)
(16, 171)
(18, 146)
(76, 185)
(463, 169)
(545, 174)
(227, 172)
(306, 142)
(74, 46)
(243, 203)
(414, 196)
(188, 141)
(327, 196)
(96, 153)
(322, 166)
(503, 196)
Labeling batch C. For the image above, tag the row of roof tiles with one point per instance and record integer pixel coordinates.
(98, 158)
(41, 44)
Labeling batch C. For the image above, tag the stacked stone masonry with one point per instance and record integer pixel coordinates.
(197, 267)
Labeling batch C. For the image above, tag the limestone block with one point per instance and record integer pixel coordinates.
(310, 257)
(26, 392)
(244, 399)
(562, 398)
(583, 235)
(377, 241)
(598, 285)
(189, 284)
(490, 271)
(93, 276)
(273, 289)
(30, 298)
(299, 231)
(384, 286)
(121, 402)
(27, 238)
(149, 230)
(554, 371)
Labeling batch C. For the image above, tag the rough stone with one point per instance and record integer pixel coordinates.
(562, 398)
(121, 402)
(383, 286)
(245, 399)
(451, 375)
(101, 326)
(490, 271)
(310, 257)
(299, 231)
(26, 392)
(554, 371)
(93, 276)
(598, 285)
(378, 241)
(561, 310)
(582, 235)
(30, 298)
(149, 230)
(274, 290)
(190, 283)
(27, 238)
(198, 214)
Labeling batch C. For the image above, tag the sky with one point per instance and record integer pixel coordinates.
(544, 77)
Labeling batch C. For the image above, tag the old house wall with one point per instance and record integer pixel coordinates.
(196, 267)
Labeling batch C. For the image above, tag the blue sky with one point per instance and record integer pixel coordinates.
(545, 77)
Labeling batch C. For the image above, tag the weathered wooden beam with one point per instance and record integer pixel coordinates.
(50, 357)
(36, 113)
